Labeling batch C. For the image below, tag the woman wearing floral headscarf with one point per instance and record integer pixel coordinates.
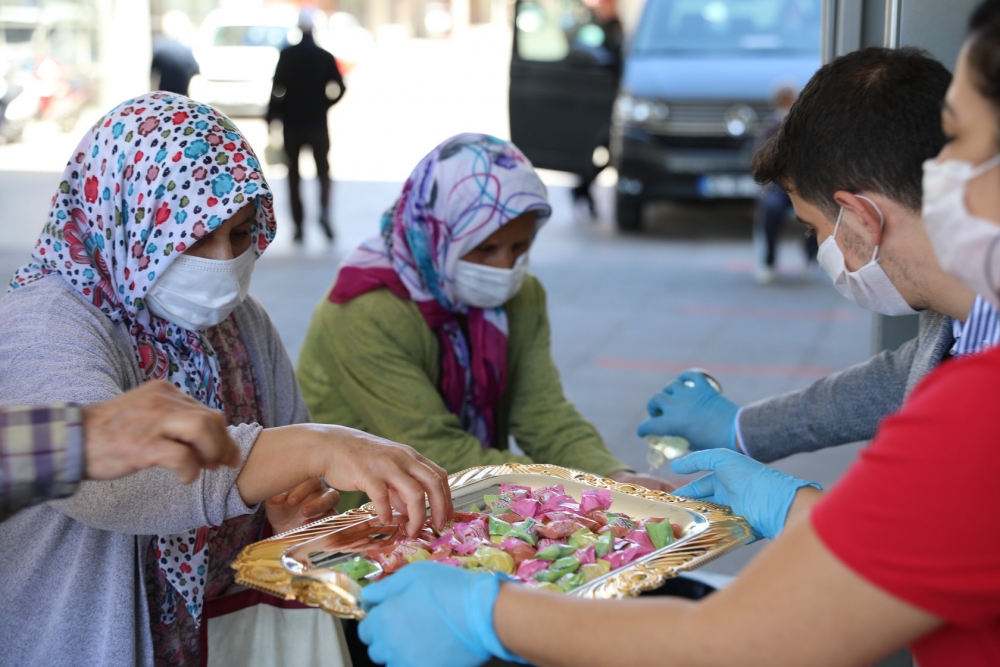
(436, 334)
(141, 272)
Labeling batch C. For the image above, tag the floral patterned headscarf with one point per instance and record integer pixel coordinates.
(148, 180)
(461, 193)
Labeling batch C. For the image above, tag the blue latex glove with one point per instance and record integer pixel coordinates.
(432, 614)
(699, 413)
(759, 494)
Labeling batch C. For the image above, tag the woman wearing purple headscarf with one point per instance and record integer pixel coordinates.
(141, 272)
(436, 334)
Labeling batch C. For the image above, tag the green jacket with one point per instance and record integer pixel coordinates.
(374, 364)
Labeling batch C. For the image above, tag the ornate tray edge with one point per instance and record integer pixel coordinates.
(259, 565)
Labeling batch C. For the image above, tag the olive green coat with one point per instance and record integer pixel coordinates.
(373, 364)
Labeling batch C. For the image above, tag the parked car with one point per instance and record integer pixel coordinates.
(51, 63)
(697, 79)
(562, 84)
(237, 50)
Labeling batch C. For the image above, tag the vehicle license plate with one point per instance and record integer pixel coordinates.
(728, 186)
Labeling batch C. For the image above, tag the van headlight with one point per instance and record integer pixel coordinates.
(740, 119)
(639, 111)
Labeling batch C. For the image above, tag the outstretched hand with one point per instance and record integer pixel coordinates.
(155, 425)
(760, 494)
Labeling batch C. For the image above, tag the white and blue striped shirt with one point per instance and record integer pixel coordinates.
(980, 331)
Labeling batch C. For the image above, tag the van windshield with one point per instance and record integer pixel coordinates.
(781, 27)
(250, 35)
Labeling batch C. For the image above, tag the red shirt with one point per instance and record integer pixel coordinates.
(919, 514)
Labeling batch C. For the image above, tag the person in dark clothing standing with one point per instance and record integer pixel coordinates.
(307, 82)
(173, 63)
(773, 204)
(608, 53)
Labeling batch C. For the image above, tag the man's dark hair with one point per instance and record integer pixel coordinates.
(984, 51)
(865, 121)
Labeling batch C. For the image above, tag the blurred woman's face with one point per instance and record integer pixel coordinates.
(971, 123)
(502, 248)
(229, 240)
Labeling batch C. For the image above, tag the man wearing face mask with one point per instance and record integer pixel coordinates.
(850, 155)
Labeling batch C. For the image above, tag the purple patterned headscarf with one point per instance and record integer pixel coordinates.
(461, 193)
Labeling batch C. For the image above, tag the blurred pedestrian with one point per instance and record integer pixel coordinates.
(773, 204)
(173, 64)
(307, 82)
(605, 16)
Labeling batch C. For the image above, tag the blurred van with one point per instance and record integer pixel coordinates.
(696, 81)
(237, 51)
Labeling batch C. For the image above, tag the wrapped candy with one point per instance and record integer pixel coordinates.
(490, 558)
(555, 552)
(526, 508)
(525, 530)
(566, 564)
(498, 527)
(641, 537)
(546, 586)
(519, 551)
(594, 499)
(605, 543)
(594, 570)
(570, 581)
(527, 569)
(499, 503)
(660, 534)
(559, 529)
(558, 569)
(587, 556)
(545, 538)
(582, 538)
(357, 568)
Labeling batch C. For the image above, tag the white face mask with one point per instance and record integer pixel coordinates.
(481, 286)
(966, 246)
(196, 293)
(869, 286)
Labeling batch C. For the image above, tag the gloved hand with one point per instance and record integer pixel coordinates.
(759, 494)
(432, 614)
(699, 413)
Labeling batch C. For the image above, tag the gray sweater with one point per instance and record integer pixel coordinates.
(71, 571)
(846, 406)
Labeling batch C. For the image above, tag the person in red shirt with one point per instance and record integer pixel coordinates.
(903, 551)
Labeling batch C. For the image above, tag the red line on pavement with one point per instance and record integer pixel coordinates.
(747, 370)
(749, 312)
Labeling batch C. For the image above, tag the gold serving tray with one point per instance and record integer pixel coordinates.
(294, 565)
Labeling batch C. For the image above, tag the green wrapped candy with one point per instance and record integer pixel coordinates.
(494, 560)
(549, 576)
(620, 520)
(499, 527)
(558, 570)
(566, 564)
(546, 586)
(554, 551)
(582, 539)
(605, 543)
(418, 555)
(357, 568)
(497, 503)
(525, 530)
(592, 571)
(660, 534)
(570, 581)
